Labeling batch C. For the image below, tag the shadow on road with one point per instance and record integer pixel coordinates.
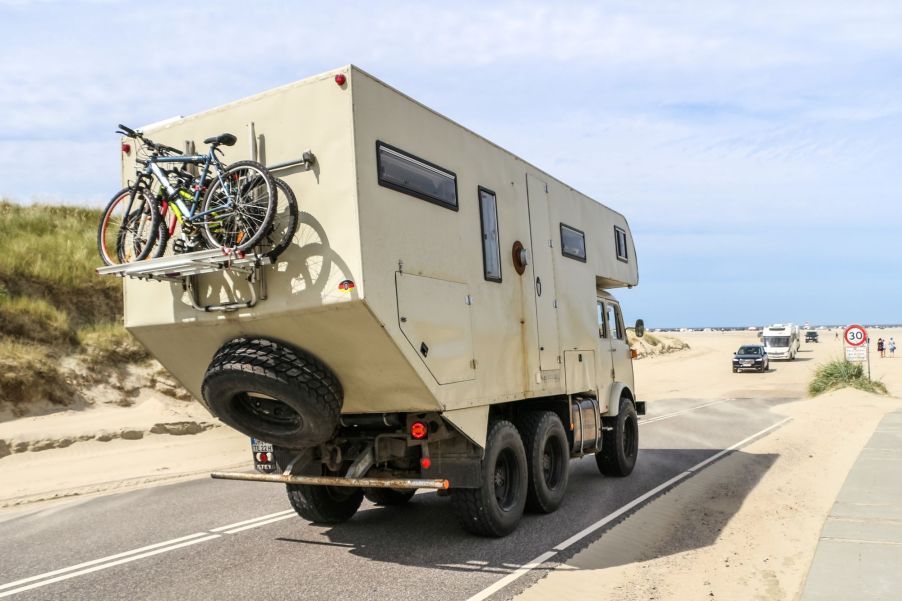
(425, 533)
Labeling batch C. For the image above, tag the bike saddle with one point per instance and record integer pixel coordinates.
(224, 139)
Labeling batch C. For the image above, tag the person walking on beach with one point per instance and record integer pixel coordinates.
(880, 347)
(892, 347)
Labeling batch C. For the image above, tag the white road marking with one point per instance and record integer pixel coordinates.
(525, 568)
(257, 519)
(110, 564)
(263, 523)
(101, 560)
(680, 412)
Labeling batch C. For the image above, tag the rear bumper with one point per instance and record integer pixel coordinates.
(403, 483)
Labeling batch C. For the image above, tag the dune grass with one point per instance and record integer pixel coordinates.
(840, 373)
(49, 253)
(110, 344)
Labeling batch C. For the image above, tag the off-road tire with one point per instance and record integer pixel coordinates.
(478, 509)
(620, 443)
(388, 497)
(548, 458)
(294, 399)
(324, 504)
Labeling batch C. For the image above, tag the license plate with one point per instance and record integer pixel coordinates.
(263, 456)
(258, 446)
(746, 363)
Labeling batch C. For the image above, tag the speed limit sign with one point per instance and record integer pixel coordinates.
(855, 335)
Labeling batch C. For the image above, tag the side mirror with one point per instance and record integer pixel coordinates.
(640, 328)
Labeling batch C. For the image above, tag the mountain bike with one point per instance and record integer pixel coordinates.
(225, 206)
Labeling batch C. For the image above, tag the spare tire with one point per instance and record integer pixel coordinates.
(272, 391)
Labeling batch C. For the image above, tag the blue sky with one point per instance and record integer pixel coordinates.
(754, 147)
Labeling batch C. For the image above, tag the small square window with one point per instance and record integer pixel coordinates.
(573, 243)
(620, 244)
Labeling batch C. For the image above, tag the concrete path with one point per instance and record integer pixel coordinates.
(859, 555)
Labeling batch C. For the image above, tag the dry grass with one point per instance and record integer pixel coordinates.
(49, 253)
(110, 345)
(30, 374)
(36, 320)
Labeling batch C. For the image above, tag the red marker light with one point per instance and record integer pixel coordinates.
(425, 463)
(346, 286)
(126, 148)
(418, 430)
(340, 79)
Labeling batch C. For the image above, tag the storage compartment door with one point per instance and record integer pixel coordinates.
(579, 370)
(543, 273)
(434, 315)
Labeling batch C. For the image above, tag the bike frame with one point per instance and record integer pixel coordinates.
(152, 168)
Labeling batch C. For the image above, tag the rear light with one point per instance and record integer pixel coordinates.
(425, 463)
(126, 148)
(419, 430)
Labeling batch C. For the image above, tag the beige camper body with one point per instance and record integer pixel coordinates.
(438, 320)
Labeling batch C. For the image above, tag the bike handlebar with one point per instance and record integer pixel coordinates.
(131, 133)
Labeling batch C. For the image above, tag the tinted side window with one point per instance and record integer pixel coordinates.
(573, 243)
(491, 247)
(406, 173)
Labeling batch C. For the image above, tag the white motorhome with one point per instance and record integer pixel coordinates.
(781, 341)
(443, 319)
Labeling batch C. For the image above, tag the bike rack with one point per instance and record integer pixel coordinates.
(186, 267)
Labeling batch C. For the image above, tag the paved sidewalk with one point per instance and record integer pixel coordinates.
(859, 555)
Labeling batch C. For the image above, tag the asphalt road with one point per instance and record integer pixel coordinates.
(207, 539)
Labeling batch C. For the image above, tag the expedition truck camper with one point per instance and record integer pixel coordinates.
(442, 319)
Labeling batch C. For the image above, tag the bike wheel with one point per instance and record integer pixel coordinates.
(129, 227)
(281, 231)
(239, 206)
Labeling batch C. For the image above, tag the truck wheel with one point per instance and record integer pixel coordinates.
(547, 459)
(620, 445)
(324, 504)
(495, 508)
(388, 497)
(271, 391)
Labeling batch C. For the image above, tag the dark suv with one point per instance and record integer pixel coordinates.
(750, 356)
(811, 337)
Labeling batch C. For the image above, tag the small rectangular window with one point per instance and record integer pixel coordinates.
(620, 244)
(602, 330)
(491, 247)
(406, 173)
(573, 243)
(615, 326)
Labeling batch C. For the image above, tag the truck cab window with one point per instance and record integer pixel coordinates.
(614, 324)
(491, 247)
(602, 330)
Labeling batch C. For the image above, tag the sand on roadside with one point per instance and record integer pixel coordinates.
(746, 526)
